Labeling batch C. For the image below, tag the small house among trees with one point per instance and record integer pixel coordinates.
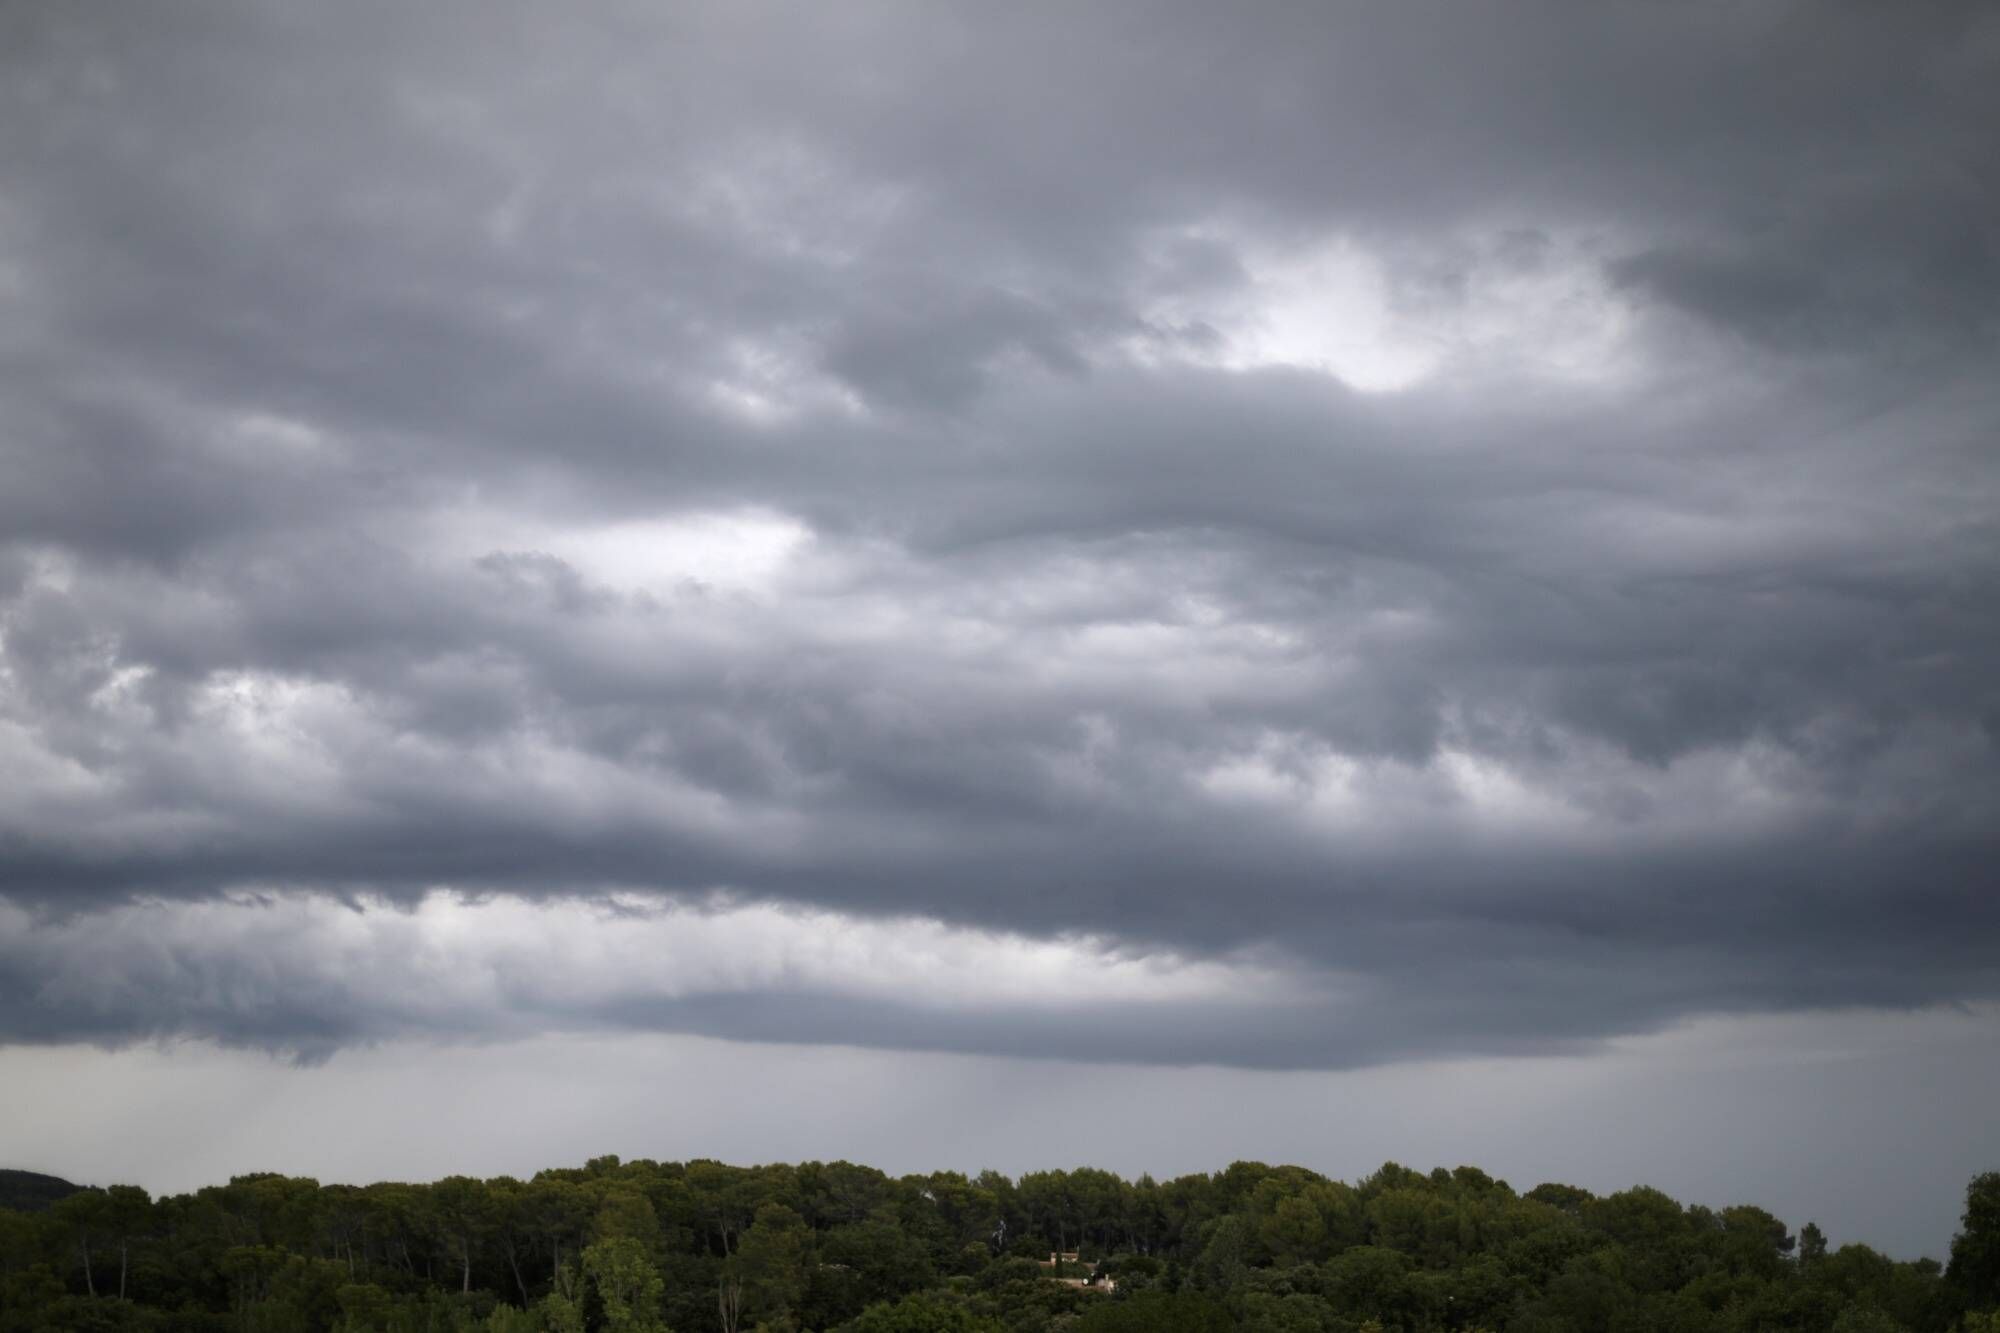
(1061, 1265)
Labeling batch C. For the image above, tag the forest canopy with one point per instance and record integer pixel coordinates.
(644, 1247)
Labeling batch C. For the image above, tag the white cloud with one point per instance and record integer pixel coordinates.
(1383, 321)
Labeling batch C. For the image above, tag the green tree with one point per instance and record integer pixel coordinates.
(1290, 1227)
(127, 1216)
(1370, 1282)
(1220, 1268)
(1156, 1312)
(923, 1312)
(555, 1210)
(82, 1218)
(459, 1209)
(1975, 1251)
(627, 1284)
(364, 1307)
(773, 1260)
(1866, 1319)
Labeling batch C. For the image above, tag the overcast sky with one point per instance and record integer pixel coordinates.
(1257, 554)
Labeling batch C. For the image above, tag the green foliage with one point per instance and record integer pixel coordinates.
(640, 1246)
(625, 1284)
(925, 1312)
(1158, 1312)
(1975, 1252)
(775, 1262)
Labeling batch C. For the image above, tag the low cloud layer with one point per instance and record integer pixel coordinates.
(1467, 530)
(310, 975)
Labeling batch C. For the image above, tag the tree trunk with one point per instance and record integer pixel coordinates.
(729, 1303)
(89, 1283)
(465, 1255)
(513, 1264)
(122, 1248)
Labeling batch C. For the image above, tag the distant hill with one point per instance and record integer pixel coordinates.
(31, 1191)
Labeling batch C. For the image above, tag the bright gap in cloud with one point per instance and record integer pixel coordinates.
(1514, 302)
(733, 550)
(1329, 309)
(748, 549)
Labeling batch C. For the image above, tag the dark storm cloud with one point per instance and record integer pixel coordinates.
(1498, 502)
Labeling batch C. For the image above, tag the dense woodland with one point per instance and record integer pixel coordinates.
(631, 1246)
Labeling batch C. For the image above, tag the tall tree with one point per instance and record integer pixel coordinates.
(1975, 1250)
(127, 1215)
(81, 1216)
(1812, 1245)
(460, 1210)
(775, 1255)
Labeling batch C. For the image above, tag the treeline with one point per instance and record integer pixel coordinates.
(642, 1246)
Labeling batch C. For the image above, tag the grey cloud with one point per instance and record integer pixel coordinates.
(344, 336)
(1770, 299)
(939, 358)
